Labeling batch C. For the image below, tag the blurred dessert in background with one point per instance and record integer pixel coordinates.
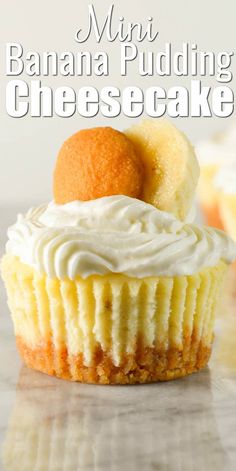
(209, 154)
(213, 155)
(225, 182)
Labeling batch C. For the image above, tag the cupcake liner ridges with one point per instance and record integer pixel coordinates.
(113, 328)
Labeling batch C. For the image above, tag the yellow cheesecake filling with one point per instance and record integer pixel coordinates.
(114, 315)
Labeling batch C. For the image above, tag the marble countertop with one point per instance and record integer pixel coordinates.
(52, 425)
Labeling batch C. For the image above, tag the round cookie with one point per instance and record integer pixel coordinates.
(94, 163)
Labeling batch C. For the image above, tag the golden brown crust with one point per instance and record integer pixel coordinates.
(212, 216)
(146, 366)
(94, 163)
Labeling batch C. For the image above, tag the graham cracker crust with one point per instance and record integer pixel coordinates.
(148, 365)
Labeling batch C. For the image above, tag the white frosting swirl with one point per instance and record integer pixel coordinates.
(115, 234)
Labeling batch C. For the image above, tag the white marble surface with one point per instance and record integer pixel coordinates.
(52, 425)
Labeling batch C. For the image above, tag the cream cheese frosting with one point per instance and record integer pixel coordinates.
(114, 234)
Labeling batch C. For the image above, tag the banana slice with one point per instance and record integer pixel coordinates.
(171, 169)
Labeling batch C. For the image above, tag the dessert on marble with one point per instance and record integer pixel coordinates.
(104, 284)
(213, 154)
(56, 427)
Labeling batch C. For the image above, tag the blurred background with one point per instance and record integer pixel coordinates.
(28, 150)
(28, 146)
